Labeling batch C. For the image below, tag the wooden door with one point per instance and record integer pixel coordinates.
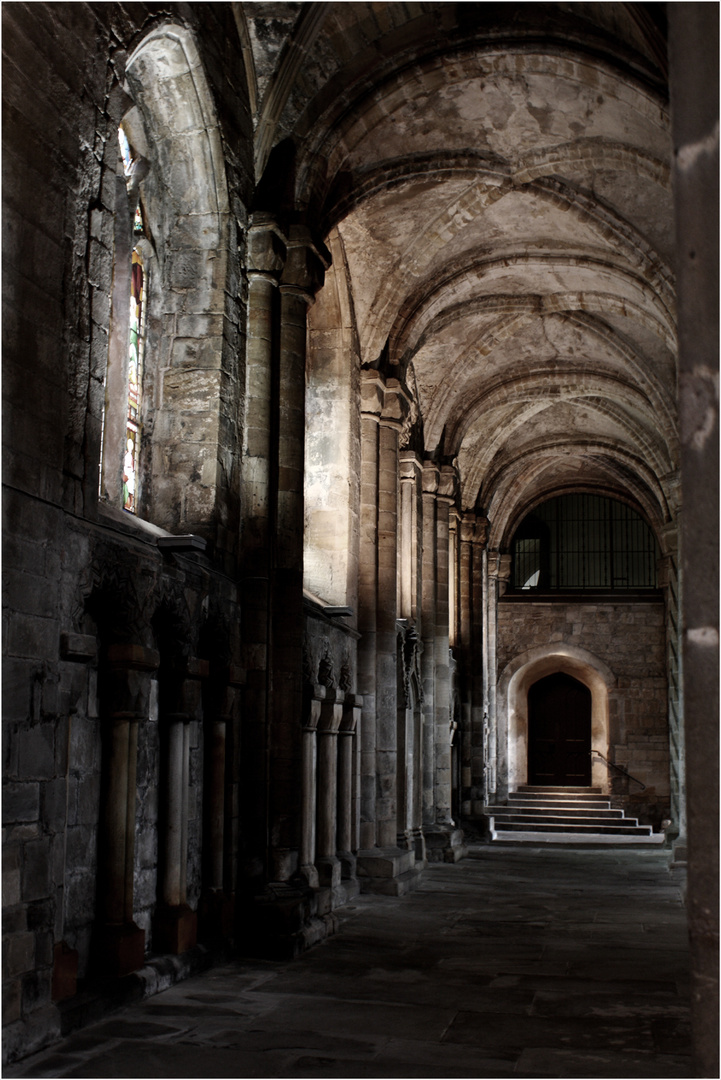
(559, 732)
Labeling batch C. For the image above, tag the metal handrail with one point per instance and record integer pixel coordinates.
(619, 768)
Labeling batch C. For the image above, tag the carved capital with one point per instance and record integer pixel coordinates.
(410, 465)
(267, 249)
(468, 527)
(431, 475)
(448, 484)
(384, 399)
(305, 266)
(499, 566)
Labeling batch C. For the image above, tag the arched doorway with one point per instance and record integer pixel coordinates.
(559, 732)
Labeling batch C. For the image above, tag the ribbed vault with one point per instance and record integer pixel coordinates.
(505, 212)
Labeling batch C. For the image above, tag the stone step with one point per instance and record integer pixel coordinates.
(559, 790)
(606, 839)
(570, 804)
(580, 829)
(554, 811)
(535, 814)
(531, 821)
(557, 796)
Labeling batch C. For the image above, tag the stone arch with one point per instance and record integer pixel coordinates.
(186, 466)
(512, 706)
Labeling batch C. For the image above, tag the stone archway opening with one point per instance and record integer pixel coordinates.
(513, 713)
(559, 732)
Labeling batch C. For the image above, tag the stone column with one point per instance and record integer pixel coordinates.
(265, 260)
(478, 535)
(428, 619)
(302, 276)
(347, 842)
(384, 405)
(443, 841)
(220, 709)
(409, 728)
(386, 672)
(331, 715)
(175, 924)
(125, 701)
(694, 74)
(367, 611)
(442, 716)
(406, 546)
(466, 533)
(454, 614)
(309, 770)
(499, 571)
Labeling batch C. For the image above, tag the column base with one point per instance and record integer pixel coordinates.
(348, 865)
(444, 843)
(418, 842)
(175, 930)
(216, 916)
(286, 920)
(329, 871)
(119, 950)
(65, 972)
(390, 871)
(309, 874)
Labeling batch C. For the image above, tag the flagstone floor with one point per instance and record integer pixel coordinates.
(530, 962)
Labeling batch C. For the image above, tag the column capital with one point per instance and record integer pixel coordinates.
(499, 569)
(410, 465)
(305, 264)
(266, 247)
(135, 657)
(384, 399)
(474, 529)
(448, 484)
(431, 476)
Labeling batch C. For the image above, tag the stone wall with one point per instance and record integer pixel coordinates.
(63, 99)
(630, 639)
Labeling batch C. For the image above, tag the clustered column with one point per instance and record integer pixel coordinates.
(284, 274)
(473, 532)
(175, 925)
(330, 772)
(125, 702)
(498, 573)
(384, 406)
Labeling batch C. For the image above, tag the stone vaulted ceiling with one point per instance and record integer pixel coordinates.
(498, 177)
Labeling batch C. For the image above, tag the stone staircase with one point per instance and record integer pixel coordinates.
(569, 815)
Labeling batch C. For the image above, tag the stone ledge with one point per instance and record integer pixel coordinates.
(392, 886)
(160, 973)
(384, 862)
(445, 844)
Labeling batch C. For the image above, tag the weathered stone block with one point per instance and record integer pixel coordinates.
(36, 752)
(18, 954)
(36, 869)
(21, 802)
(11, 1001)
(32, 636)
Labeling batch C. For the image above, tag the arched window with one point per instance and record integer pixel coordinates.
(583, 542)
(170, 428)
(121, 436)
(135, 380)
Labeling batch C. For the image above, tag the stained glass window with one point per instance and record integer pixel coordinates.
(135, 376)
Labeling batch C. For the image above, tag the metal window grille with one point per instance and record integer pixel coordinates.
(584, 542)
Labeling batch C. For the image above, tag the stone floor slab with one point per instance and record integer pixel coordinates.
(514, 962)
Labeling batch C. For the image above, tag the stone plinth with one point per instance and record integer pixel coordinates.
(175, 930)
(119, 949)
(387, 870)
(444, 844)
